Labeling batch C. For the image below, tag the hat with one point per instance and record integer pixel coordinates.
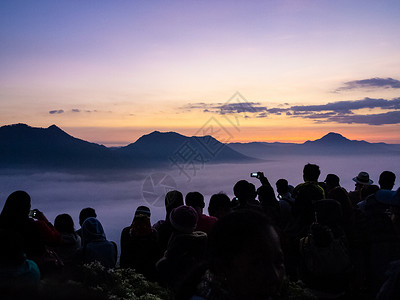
(143, 210)
(363, 178)
(388, 197)
(184, 219)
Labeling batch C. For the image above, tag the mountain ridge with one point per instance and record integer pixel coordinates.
(24, 146)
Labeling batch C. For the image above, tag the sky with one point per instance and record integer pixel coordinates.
(279, 70)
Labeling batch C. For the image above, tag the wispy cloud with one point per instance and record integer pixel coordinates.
(392, 117)
(349, 106)
(370, 83)
(338, 112)
(229, 108)
(58, 111)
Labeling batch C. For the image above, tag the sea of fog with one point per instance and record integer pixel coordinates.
(115, 196)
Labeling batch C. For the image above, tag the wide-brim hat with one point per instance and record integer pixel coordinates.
(388, 197)
(363, 178)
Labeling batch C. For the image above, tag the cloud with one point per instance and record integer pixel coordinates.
(348, 106)
(226, 108)
(250, 107)
(337, 112)
(392, 117)
(59, 111)
(76, 110)
(370, 83)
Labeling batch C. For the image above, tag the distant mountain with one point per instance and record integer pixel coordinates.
(178, 149)
(22, 146)
(25, 146)
(330, 144)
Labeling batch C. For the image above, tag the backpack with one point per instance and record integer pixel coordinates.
(322, 254)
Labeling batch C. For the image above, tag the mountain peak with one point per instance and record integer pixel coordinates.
(332, 138)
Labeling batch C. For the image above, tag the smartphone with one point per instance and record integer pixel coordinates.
(254, 174)
(33, 213)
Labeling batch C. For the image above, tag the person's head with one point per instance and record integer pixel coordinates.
(245, 250)
(386, 180)
(219, 205)
(16, 207)
(331, 181)
(311, 172)
(64, 223)
(195, 200)
(340, 195)
(362, 180)
(85, 213)
(141, 225)
(183, 219)
(367, 190)
(92, 230)
(282, 186)
(173, 199)
(143, 210)
(242, 190)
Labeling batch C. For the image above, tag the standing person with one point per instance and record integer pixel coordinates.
(37, 232)
(219, 205)
(361, 181)
(305, 194)
(245, 260)
(331, 181)
(204, 223)
(139, 245)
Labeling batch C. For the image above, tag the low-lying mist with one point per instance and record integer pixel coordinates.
(115, 196)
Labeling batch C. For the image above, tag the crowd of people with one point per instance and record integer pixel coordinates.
(338, 244)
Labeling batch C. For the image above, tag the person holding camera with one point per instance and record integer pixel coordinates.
(36, 231)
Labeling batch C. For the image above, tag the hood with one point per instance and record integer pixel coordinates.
(92, 230)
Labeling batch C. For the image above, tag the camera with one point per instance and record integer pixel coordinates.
(254, 174)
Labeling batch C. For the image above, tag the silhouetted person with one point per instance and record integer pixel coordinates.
(245, 260)
(37, 232)
(85, 213)
(386, 180)
(196, 200)
(139, 245)
(331, 181)
(268, 201)
(16, 272)
(186, 247)
(305, 194)
(383, 241)
(361, 180)
(70, 240)
(219, 205)
(173, 199)
(286, 202)
(244, 193)
(95, 246)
